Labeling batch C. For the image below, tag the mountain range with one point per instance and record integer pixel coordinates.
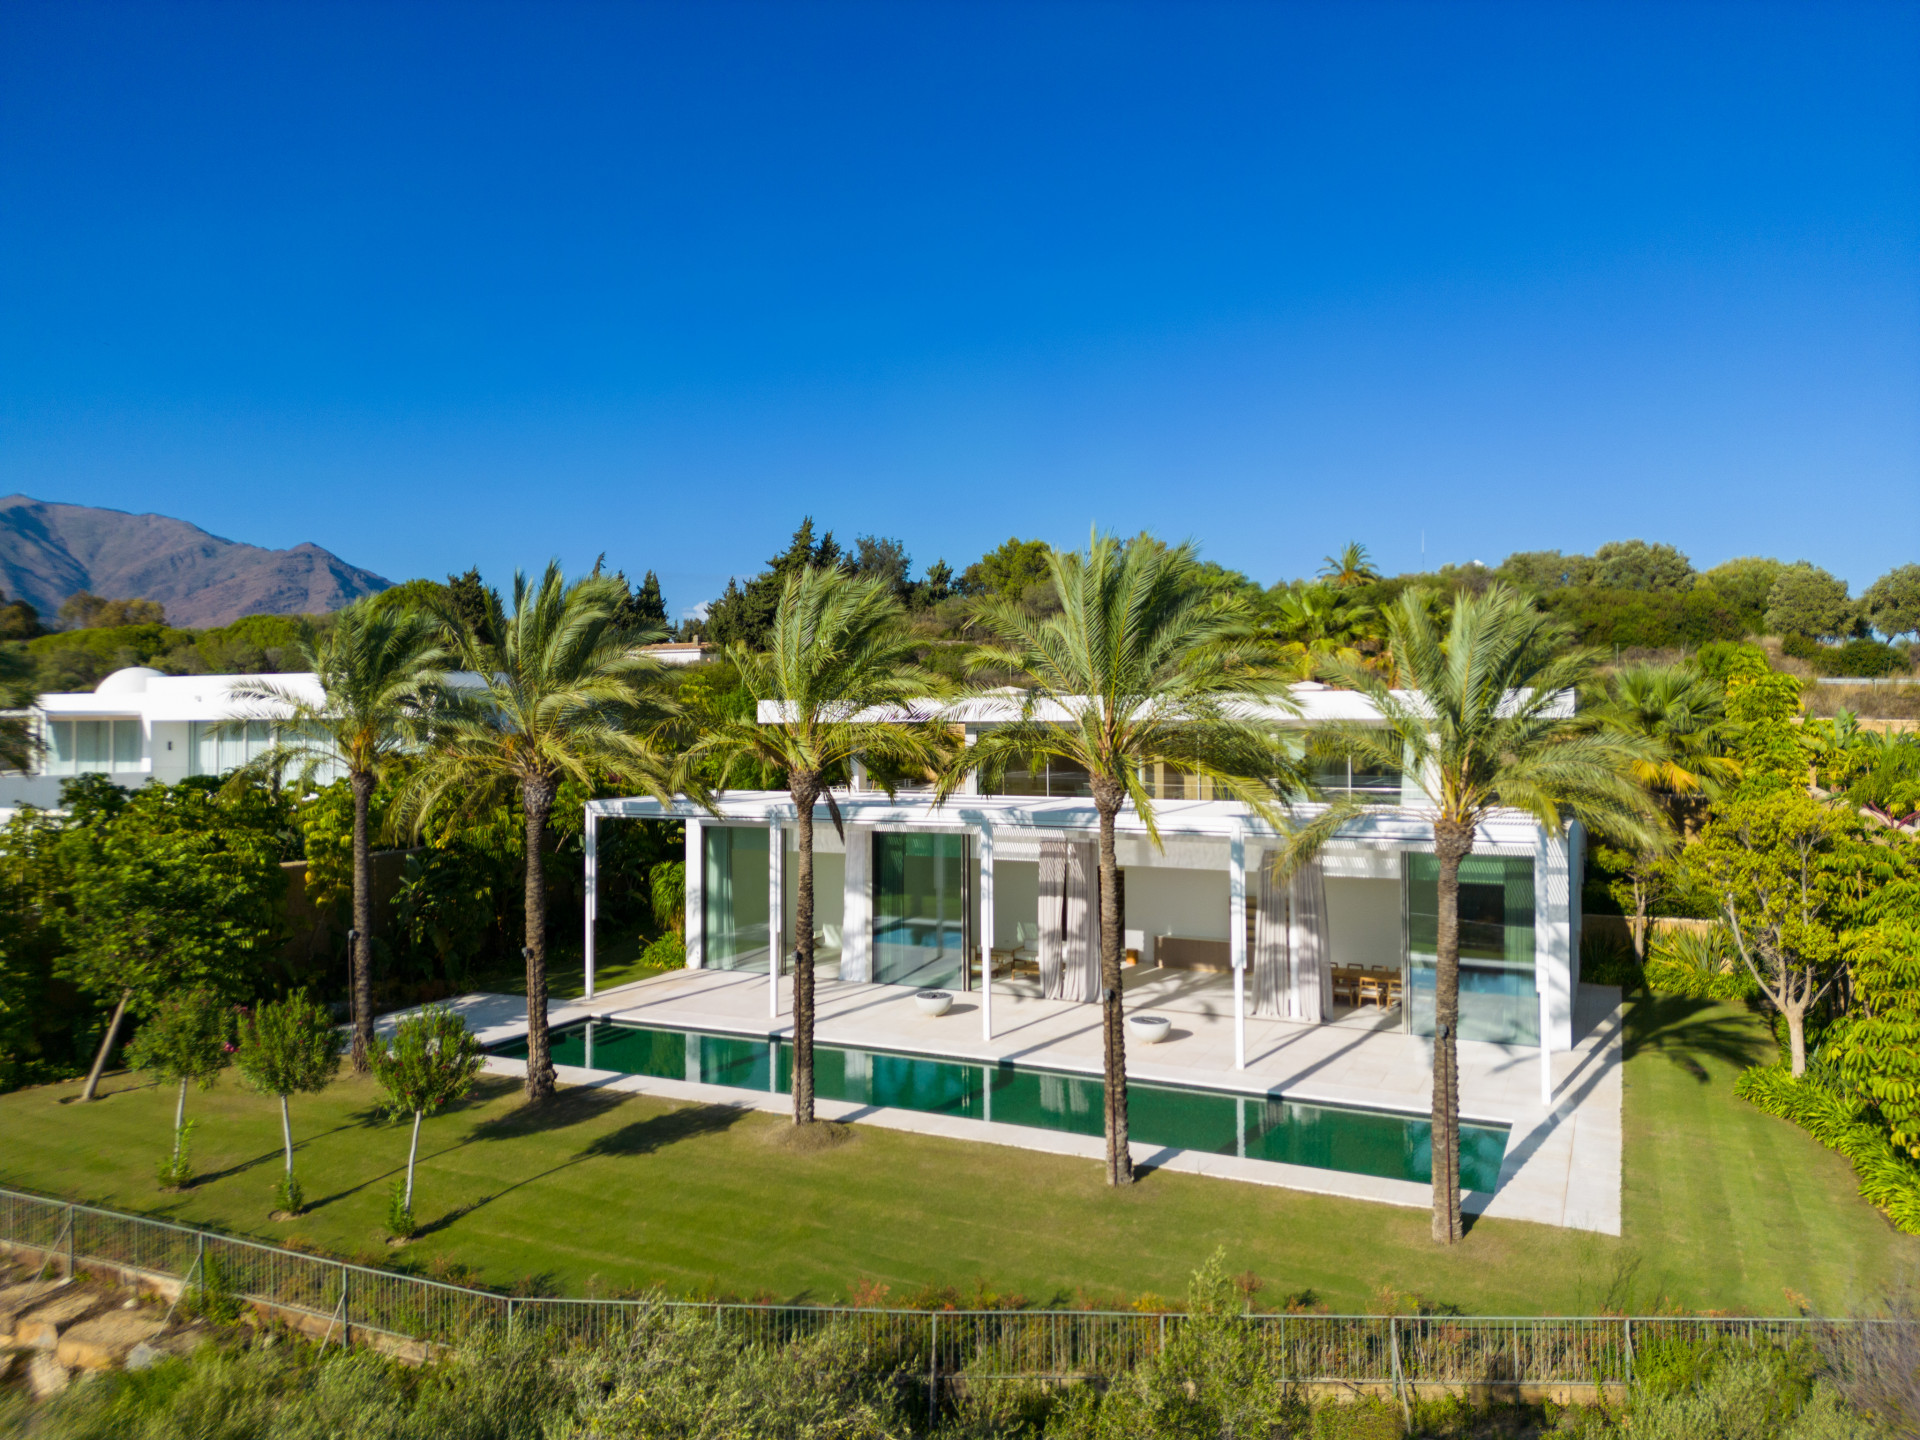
(49, 551)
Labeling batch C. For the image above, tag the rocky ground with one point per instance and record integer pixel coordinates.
(54, 1330)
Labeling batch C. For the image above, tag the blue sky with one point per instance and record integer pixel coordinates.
(441, 285)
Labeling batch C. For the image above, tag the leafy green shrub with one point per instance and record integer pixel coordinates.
(1697, 965)
(174, 1169)
(669, 952)
(400, 1222)
(1762, 1395)
(1888, 1179)
(1867, 659)
(1608, 960)
(213, 1296)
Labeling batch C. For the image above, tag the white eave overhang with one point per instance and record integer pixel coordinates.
(1211, 819)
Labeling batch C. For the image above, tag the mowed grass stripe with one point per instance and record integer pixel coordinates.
(1726, 1208)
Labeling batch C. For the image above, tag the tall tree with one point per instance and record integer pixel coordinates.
(1679, 715)
(172, 887)
(744, 614)
(378, 668)
(1143, 664)
(1351, 567)
(839, 658)
(566, 693)
(1485, 719)
(1773, 859)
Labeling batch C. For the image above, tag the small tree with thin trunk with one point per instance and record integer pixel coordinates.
(376, 665)
(840, 669)
(556, 690)
(1771, 862)
(1485, 724)
(1142, 665)
(187, 1040)
(430, 1063)
(288, 1047)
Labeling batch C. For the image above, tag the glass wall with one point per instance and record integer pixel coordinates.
(1343, 779)
(1498, 1000)
(733, 887)
(1049, 777)
(85, 747)
(920, 888)
(214, 748)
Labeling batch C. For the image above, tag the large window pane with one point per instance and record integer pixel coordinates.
(126, 744)
(1498, 999)
(734, 889)
(61, 756)
(919, 909)
(90, 739)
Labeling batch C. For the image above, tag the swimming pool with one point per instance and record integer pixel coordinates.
(1258, 1127)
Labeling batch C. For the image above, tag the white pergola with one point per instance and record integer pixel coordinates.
(982, 816)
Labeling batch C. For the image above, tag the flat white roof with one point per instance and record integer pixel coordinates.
(1315, 702)
(1218, 819)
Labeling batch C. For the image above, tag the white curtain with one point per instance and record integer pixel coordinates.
(1069, 921)
(1312, 989)
(1272, 984)
(1052, 915)
(1080, 967)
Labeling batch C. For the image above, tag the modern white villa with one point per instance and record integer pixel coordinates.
(997, 892)
(140, 724)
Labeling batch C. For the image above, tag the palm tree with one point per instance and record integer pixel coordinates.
(1141, 665)
(1680, 712)
(840, 660)
(1320, 624)
(1486, 726)
(562, 693)
(377, 667)
(1352, 566)
(1679, 715)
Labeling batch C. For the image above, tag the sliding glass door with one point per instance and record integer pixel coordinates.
(1498, 998)
(734, 884)
(921, 885)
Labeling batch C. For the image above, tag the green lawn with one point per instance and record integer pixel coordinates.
(1726, 1208)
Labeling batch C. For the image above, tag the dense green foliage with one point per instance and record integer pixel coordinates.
(673, 1375)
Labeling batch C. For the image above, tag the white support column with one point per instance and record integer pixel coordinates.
(1237, 941)
(986, 937)
(776, 916)
(696, 910)
(593, 895)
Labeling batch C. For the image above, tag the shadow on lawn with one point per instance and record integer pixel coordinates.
(1686, 1031)
(642, 1137)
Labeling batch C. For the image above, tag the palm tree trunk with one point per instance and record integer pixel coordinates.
(805, 789)
(1107, 796)
(1452, 842)
(106, 1046)
(537, 797)
(360, 959)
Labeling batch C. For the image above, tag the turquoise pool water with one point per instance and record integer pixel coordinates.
(1259, 1127)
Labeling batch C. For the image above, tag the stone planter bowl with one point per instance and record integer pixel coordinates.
(933, 1002)
(1148, 1029)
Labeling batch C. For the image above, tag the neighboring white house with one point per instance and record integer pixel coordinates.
(139, 724)
(1004, 885)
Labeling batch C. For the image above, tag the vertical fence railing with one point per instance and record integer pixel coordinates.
(346, 1300)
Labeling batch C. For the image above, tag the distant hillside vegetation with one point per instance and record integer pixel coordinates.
(50, 551)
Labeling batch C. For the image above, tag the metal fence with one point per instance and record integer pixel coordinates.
(355, 1301)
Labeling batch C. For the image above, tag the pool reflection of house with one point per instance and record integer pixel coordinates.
(912, 894)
